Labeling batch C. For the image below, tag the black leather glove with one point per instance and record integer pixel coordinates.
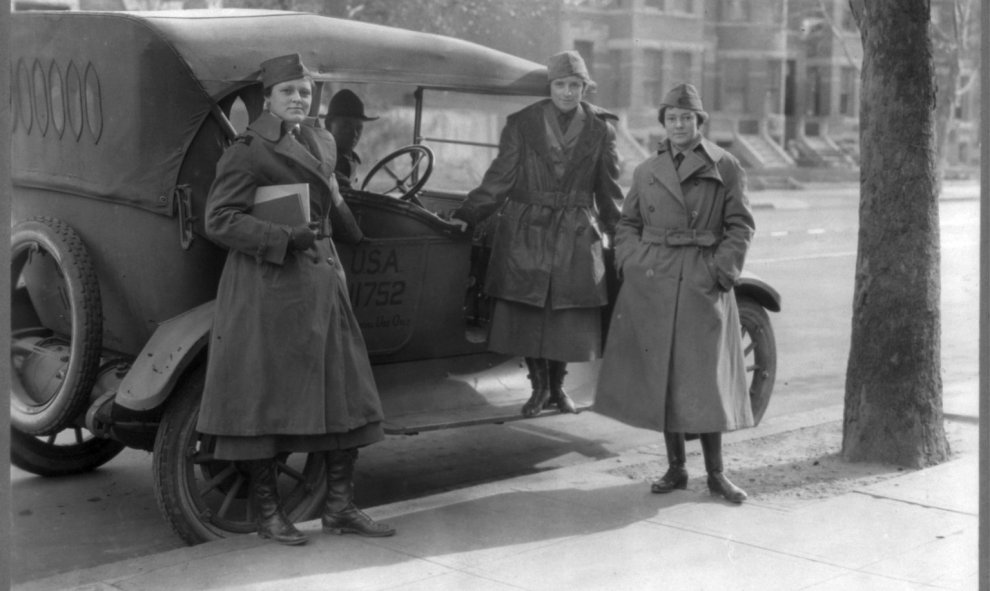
(303, 236)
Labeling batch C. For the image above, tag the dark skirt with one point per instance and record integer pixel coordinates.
(571, 334)
(261, 447)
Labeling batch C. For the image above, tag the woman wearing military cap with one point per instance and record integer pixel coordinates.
(554, 186)
(674, 359)
(288, 369)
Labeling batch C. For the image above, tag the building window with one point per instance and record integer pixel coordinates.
(653, 77)
(734, 10)
(847, 92)
(962, 109)
(734, 85)
(774, 78)
(653, 4)
(587, 51)
(682, 6)
(848, 20)
(680, 67)
(618, 80)
(818, 89)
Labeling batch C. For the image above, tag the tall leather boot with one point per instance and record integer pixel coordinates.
(718, 484)
(340, 515)
(556, 370)
(269, 516)
(539, 378)
(676, 476)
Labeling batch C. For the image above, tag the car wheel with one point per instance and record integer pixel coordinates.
(760, 349)
(56, 326)
(204, 499)
(72, 451)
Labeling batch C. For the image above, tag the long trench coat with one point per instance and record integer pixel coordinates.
(673, 360)
(286, 353)
(550, 221)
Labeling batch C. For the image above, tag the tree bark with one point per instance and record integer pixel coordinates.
(893, 399)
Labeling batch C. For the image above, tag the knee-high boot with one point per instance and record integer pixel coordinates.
(718, 484)
(539, 378)
(269, 515)
(676, 476)
(340, 515)
(556, 370)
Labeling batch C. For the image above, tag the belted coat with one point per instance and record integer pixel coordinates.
(551, 214)
(286, 354)
(673, 360)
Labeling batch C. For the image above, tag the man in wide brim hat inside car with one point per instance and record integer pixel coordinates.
(345, 120)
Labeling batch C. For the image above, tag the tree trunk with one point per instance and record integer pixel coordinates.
(893, 400)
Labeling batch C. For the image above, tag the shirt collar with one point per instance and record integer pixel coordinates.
(690, 147)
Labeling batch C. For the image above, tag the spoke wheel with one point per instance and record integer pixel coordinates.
(760, 349)
(204, 499)
(409, 179)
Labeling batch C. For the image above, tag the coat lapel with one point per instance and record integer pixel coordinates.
(704, 163)
(664, 172)
(534, 132)
(316, 160)
(587, 145)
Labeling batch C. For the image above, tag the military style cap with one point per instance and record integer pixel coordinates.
(683, 96)
(347, 104)
(282, 69)
(568, 63)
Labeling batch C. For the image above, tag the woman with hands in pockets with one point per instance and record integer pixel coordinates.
(674, 360)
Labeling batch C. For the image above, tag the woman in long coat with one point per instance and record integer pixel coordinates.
(554, 188)
(674, 360)
(288, 369)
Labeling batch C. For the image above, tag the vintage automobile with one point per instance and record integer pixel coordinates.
(118, 122)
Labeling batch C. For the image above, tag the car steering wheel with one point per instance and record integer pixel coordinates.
(422, 163)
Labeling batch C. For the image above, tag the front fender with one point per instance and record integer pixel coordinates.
(751, 286)
(173, 346)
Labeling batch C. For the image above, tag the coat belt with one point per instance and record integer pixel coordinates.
(680, 236)
(554, 199)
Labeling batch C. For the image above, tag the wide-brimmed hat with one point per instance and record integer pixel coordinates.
(568, 63)
(283, 69)
(683, 96)
(347, 104)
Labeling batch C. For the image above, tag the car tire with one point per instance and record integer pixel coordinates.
(760, 350)
(204, 499)
(51, 455)
(78, 296)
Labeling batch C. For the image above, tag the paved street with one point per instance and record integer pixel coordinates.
(805, 247)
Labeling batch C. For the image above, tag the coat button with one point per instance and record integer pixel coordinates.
(649, 273)
(651, 209)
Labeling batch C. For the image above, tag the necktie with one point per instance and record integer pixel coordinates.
(678, 158)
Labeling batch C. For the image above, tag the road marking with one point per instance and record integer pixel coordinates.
(816, 231)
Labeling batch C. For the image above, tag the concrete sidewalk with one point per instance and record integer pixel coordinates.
(583, 527)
